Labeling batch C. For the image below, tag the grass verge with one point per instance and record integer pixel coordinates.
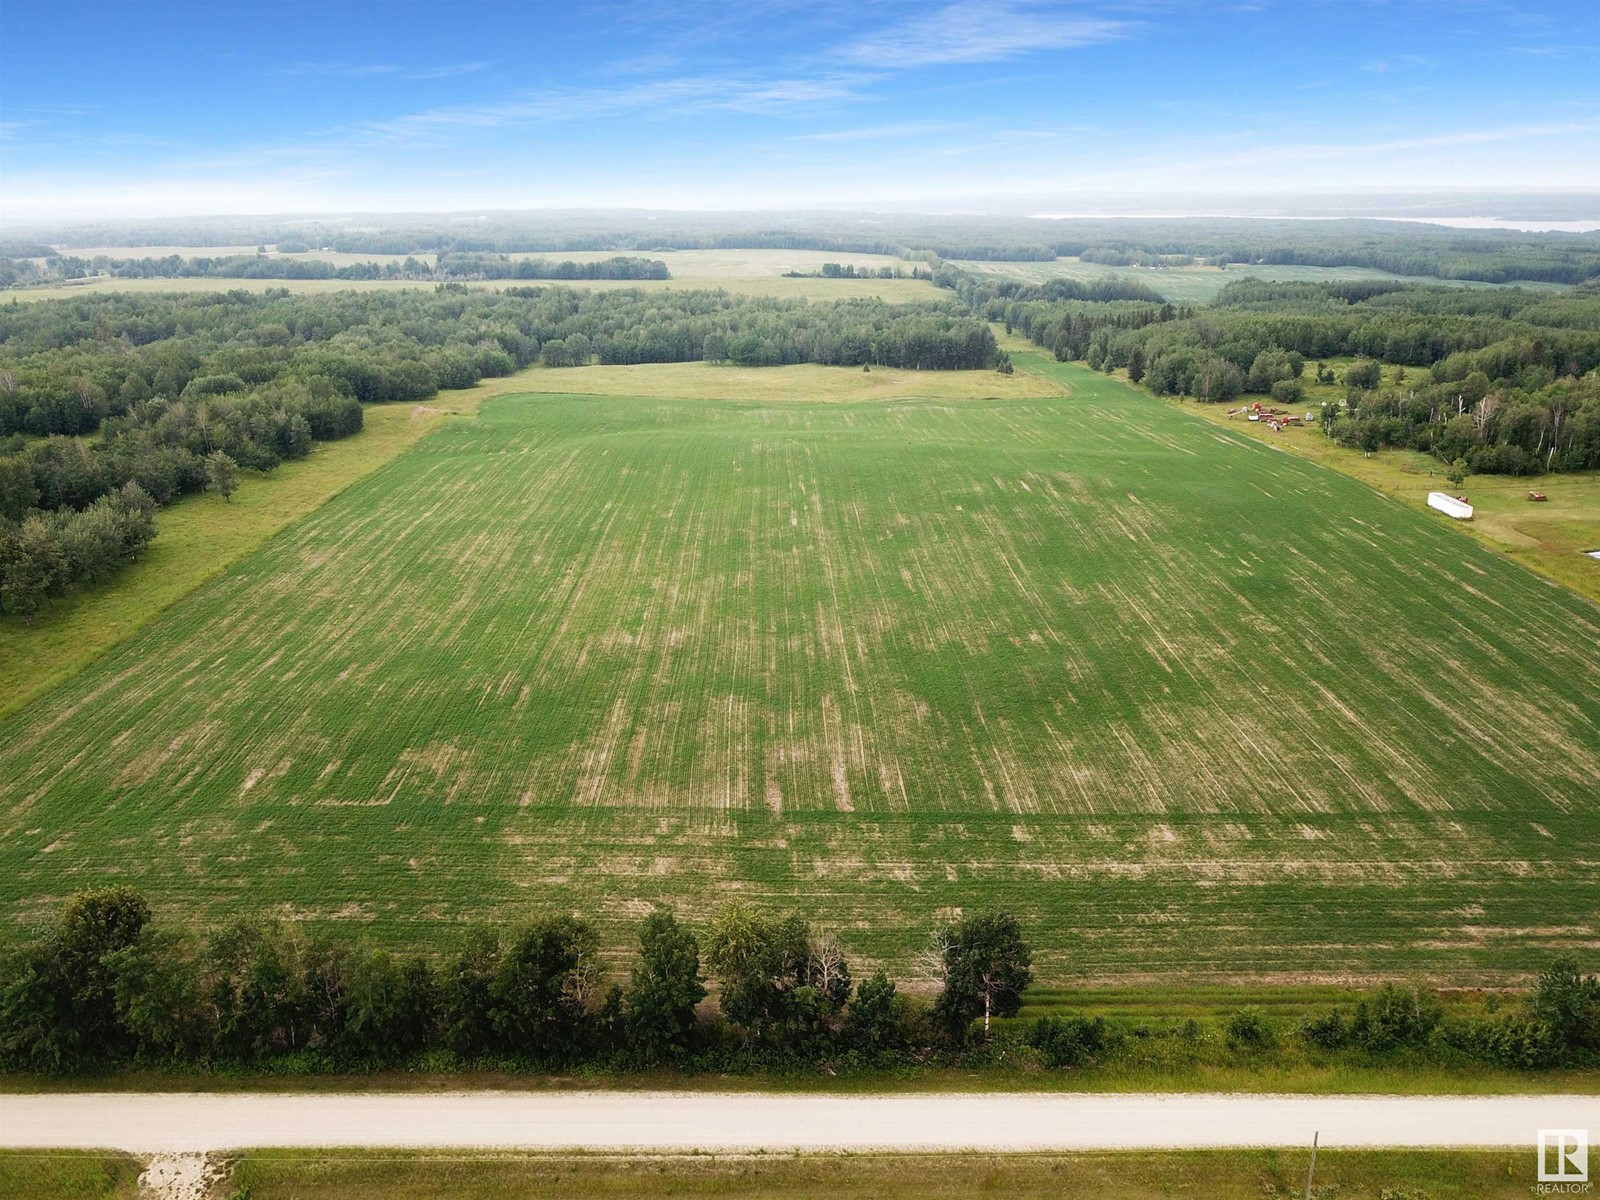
(1213, 1175)
(69, 1175)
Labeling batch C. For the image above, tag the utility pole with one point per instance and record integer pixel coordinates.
(1312, 1171)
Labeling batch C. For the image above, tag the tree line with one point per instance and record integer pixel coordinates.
(833, 270)
(107, 987)
(1495, 256)
(60, 268)
(1505, 382)
(67, 365)
(75, 510)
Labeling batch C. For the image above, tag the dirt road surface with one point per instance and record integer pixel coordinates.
(152, 1123)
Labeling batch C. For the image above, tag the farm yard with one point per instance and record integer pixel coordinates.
(1191, 707)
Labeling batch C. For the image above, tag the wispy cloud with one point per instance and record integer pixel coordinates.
(1396, 62)
(345, 70)
(682, 95)
(874, 132)
(979, 31)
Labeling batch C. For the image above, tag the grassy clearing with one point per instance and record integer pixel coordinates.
(68, 1175)
(1200, 285)
(1207, 1175)
(1193, 708)
(1549, 537)
(803, 383)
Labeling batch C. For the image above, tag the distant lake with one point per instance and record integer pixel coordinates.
(1587, 226)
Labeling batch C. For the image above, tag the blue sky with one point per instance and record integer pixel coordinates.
(238, 106)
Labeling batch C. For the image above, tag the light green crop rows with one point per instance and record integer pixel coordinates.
(1190, 705)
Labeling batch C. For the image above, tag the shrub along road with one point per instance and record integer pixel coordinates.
(675, 1121)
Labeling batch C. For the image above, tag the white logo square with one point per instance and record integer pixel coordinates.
(1563, 1156)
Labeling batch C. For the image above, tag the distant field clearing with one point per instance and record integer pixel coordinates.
(898, 291)
(1200, 285)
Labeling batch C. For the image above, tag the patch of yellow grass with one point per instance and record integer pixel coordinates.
(806, 382)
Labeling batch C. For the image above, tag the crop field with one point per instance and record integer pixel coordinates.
(1200, 285)
(1192, 707)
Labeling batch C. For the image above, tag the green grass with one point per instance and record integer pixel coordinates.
(1204, 1175)
(1193, 708)
(1200, 285)
(68, 1175)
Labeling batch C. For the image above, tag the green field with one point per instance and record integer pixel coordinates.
(1200, 285)
(1194, 708)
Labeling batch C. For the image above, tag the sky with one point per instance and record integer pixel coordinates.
(235, 106)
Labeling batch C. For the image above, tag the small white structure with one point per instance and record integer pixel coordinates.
(1450, 506)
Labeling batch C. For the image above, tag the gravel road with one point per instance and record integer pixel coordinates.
(152, 1123)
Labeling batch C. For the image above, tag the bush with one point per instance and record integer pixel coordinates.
(1568, 1004)
(1288, 391)
(1394, 1017)
(1069, 1041)
(1331, 1032)
(1248, 1032)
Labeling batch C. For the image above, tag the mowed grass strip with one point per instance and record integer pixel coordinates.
(1193, 708)
(1202, 1174)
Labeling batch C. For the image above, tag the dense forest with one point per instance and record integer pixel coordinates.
(58, 268)
(1491, 255)
(1506, 380)
(108, 987)
(184, 390)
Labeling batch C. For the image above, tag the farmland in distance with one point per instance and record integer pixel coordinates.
(1191, 706)
(1200, 285)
